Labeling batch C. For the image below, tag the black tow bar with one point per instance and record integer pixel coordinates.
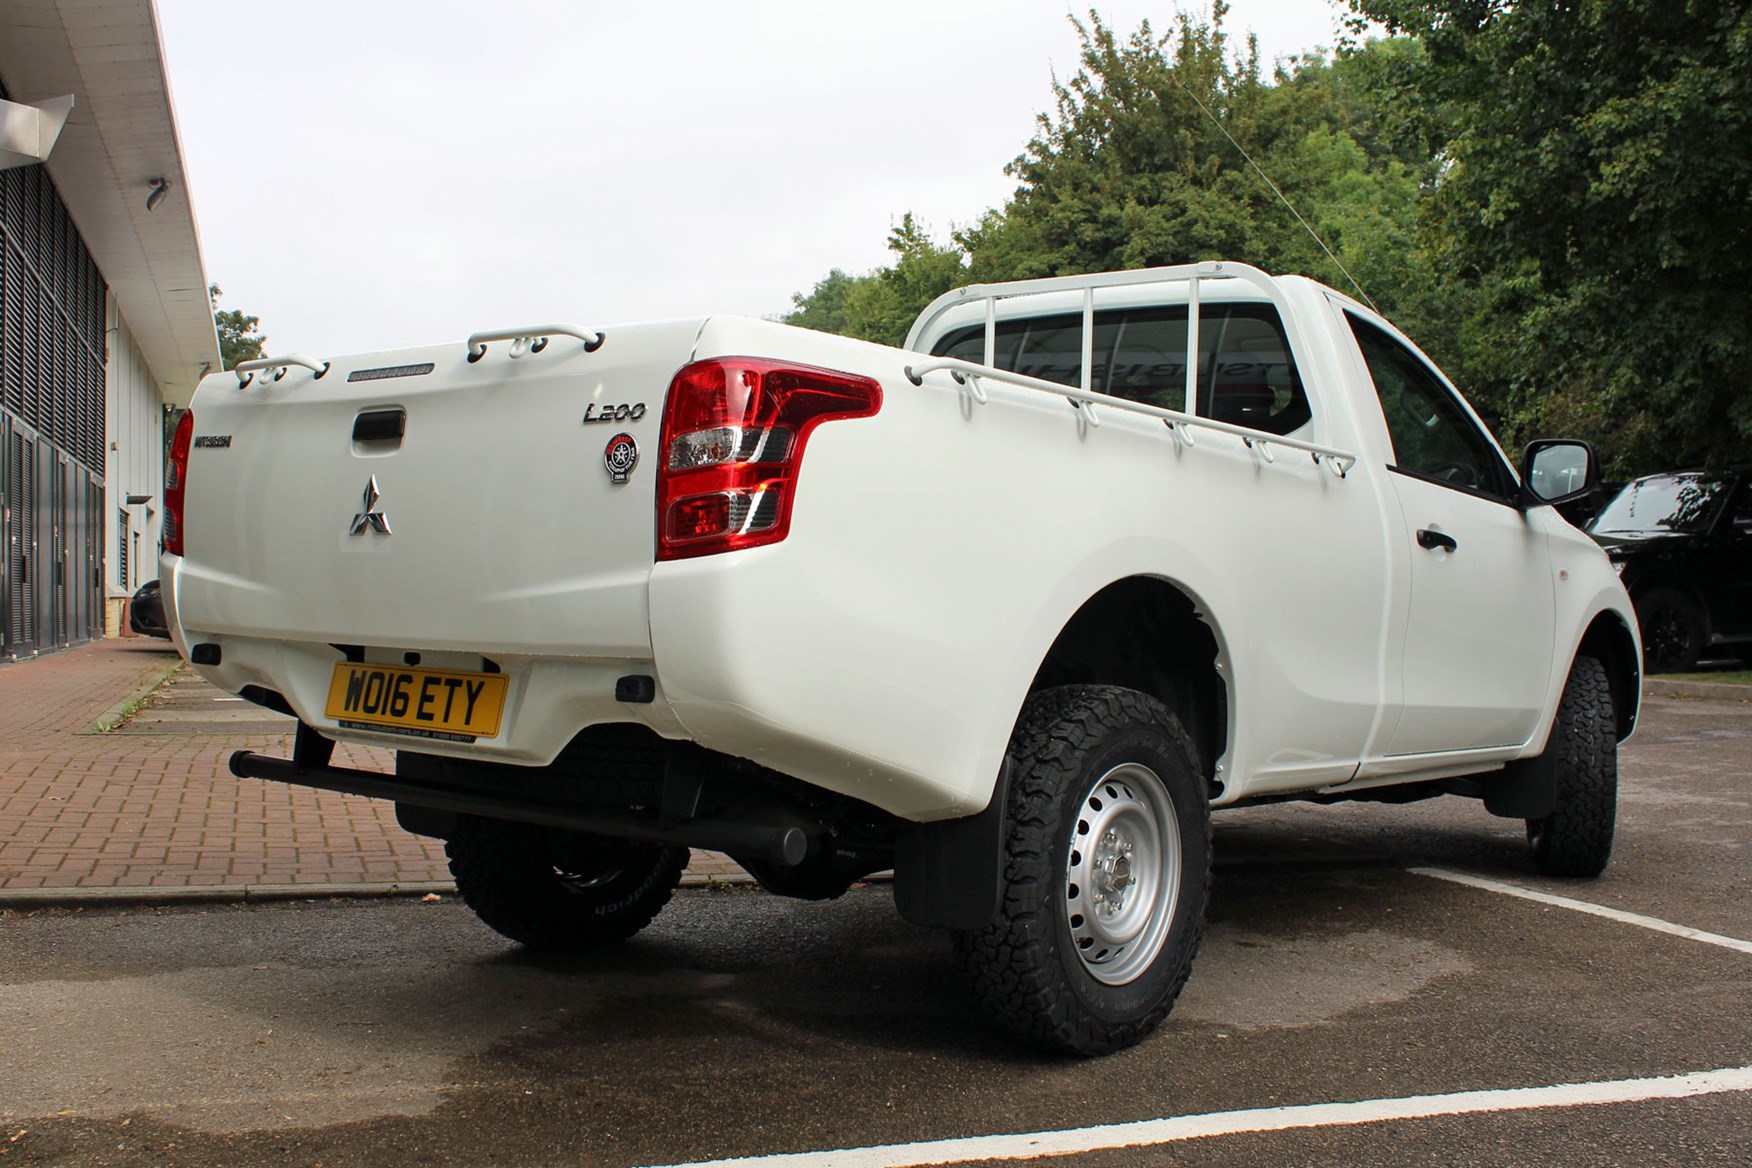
(784, 845)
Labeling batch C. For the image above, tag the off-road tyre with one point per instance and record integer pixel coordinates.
(1673, 632)
(1575, 840)
(1087, 759)
(560, 891)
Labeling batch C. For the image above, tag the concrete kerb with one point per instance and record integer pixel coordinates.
(31, 898)
(1714, 691)
(119, 713)
(24, 899)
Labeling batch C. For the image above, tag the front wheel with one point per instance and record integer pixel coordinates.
(1576, 838)
(1672, 630)
(562, 891)
(1107, 873)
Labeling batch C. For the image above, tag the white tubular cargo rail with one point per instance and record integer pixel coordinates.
(1085, 398)
(246, 370)
(968, 375)
(532, 338)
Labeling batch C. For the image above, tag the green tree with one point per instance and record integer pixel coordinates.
(1141, 163)
(823, 307)
(1595, 194)
(881, 306)
(238, 340)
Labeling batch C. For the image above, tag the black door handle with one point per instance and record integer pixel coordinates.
(1430, 541)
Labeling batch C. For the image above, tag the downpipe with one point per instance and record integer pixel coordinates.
(782, 845)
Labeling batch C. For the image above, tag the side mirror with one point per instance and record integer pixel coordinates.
(1555, 471)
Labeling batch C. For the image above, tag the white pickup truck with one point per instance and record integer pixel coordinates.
(1008, 611)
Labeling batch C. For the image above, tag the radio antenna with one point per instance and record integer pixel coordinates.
(1260, 171)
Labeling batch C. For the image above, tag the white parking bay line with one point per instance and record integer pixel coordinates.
(1078, 1141)
(1611, 914)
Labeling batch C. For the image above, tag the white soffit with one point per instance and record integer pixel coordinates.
(121, 136)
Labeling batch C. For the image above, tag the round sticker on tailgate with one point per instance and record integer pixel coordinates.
(620, 457)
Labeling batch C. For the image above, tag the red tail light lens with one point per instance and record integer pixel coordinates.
(734, 429)
(176, 476)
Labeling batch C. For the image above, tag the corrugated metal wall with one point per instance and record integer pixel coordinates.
(52, 444)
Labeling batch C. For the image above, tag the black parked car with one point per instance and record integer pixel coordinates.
(1682, 543)
(146, 613)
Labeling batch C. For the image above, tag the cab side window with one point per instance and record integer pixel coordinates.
(1433, 437)
(1246, 376)
(1740, 519)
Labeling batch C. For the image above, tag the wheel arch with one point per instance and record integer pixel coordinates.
(1138, 632)
(1147, 634)
(1609, 639)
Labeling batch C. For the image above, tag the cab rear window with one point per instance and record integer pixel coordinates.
(1246, 373)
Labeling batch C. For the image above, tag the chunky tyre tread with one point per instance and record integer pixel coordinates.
(504, 872)
(1013, 966)
(1575, 840)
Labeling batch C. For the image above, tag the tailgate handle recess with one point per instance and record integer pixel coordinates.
(380, 426)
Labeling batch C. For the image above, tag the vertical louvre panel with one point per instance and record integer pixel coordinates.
(88, 409)
(60, 404)
(56, 577)
(122, 534)
(33, 355)
(11, 330)
(94, 556)
(8, 506)
(21, 612)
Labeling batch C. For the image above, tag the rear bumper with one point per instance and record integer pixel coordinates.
(549, 697)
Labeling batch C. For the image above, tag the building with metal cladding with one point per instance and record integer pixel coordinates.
(105, 322)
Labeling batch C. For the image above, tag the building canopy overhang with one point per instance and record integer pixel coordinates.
(118, 151)
(28, 132)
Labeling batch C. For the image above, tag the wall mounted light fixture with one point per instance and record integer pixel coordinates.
(160, 188)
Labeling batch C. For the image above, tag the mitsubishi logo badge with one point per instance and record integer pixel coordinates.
(370, 519)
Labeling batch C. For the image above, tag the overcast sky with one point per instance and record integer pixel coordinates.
(377, 173)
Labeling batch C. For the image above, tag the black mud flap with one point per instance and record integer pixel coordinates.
(950, 874)
(426, 820)
(1524, 789)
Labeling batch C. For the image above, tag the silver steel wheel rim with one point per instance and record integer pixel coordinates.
(1122, 874)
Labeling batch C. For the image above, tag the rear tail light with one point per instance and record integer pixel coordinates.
(176, 477)
(734, 429)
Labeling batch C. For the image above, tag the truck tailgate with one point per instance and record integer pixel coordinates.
(493, 520)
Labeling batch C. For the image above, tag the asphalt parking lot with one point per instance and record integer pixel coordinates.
(1354, 1003)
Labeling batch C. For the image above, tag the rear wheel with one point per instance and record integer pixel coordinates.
(1576, 838)
(1107, 871)
(1672, 630)
(562, 891)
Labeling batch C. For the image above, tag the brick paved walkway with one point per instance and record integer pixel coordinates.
(153, 805)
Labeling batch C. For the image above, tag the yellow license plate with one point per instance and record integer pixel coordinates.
(427, 703)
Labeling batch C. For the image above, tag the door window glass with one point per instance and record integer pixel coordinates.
(1742, 516)
(1433, 437)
